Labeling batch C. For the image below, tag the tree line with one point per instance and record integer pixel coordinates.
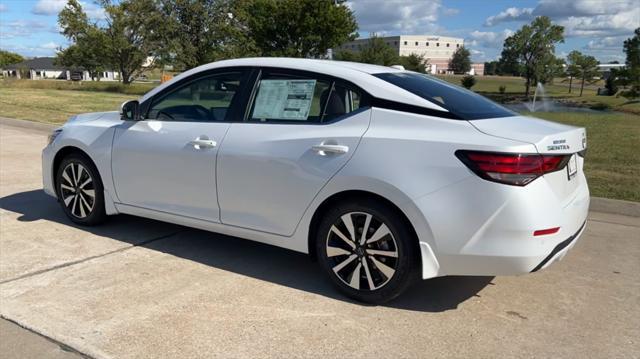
(189, 33)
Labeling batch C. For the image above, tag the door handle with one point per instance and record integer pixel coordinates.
(326, 149)
(201, 143)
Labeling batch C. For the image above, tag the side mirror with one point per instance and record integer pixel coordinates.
(130, 110)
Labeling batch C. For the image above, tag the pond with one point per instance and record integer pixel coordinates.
(549, 106)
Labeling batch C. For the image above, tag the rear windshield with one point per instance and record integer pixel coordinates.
(463, 103)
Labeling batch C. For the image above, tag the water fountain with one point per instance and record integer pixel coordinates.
(546, 105)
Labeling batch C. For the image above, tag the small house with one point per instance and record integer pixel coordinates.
(40, 68)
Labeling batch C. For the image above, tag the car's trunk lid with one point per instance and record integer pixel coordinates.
(548, 137)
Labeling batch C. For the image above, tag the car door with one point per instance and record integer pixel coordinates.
(167, 161)
(300, 129)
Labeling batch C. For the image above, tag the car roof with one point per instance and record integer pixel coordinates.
(358, 73)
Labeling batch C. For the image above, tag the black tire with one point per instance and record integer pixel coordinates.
(399, 240)
(75, 187)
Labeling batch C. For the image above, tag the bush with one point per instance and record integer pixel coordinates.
(468, 81)
(630, 94)
(502, 89)
(610, 85)
(600, 106)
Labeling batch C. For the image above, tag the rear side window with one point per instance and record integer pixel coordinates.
(297, 98)
(463, 103)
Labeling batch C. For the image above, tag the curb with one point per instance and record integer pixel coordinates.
(31, 125)
(598, 204)
(615, 206)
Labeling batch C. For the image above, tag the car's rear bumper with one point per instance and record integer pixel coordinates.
(481, 228)
(560, 250)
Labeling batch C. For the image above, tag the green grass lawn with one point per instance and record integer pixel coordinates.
(55, 106)
(612, 166)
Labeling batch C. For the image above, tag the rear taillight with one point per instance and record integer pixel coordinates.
(511, 168)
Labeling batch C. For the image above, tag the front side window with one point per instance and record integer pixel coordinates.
(463, 103)
(301, 99)
(204, 100)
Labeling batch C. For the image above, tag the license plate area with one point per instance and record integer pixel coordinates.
(572, 167)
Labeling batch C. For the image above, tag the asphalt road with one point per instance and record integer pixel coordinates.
(136, 288)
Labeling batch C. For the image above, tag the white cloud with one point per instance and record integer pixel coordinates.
(31, 51)
(450, 11)
(3, 8)
(53, 7)
(50, 45)
(477, 54)
(395, 17)
(48, 7)
(489, 39)
(511, 14)
(602, 25)
(578, 8)
(605, 43)
(20, 28)
(580, 17)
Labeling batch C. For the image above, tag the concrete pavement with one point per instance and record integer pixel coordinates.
(136, 288)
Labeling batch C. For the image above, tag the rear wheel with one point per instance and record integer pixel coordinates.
(80, 190)
(367, 251)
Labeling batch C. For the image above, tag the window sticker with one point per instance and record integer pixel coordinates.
(284, 99)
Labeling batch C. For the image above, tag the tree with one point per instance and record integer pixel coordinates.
(9, 58)
(583, 66)
(376, 51)
(199, 32)
(549, 69)
(532, 48)
(632, 64)
(297, 28)
(573, 70)
(414, 62)
(132, 35)
(88, 51)
(460, 62)
(611, 82)
(468, 81)
(491, 68)
(128, 36)
(347, 55)
(509, 64)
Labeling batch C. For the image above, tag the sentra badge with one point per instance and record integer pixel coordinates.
(558, 145)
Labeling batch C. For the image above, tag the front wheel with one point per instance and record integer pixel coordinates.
(367, 251)
(80, 190)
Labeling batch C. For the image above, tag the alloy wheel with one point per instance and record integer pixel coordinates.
(363, 251)
(77, 190)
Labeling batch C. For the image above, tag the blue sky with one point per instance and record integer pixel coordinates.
(596, 27)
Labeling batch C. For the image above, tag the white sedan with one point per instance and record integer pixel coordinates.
(381, 175)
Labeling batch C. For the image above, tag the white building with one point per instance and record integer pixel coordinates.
(40, 68)
(437, 49)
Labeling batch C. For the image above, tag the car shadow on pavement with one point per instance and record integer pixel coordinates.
(253, 259)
